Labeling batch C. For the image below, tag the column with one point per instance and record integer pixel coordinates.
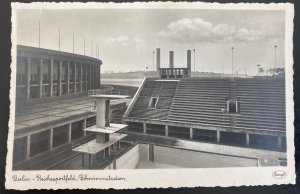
(86, 77)
(191, 133)
(166, 130)
(94, 77)
(144, 127)
(28, 147)
(99, 79)
(109, 150)
(80, 78)
(107, 112)
(74, 78)
(41, 78)
(51, 139)
(104, 154)
(218, 136)
(28, 74)
(100, 118)
(247, 139)
(51, 79)
(82, 160)
(70, 133)
(279, 140)
(59, 78)
(84, 126)
(68, 78)
(119, 145)
(114, 165)
(90, 77)
(90, 161)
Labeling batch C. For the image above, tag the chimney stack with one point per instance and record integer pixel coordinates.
(171, 59)
(189, 61)
(158, 59)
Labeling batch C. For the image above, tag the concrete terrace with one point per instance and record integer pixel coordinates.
(36, 112)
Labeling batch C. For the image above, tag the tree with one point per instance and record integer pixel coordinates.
(261, 70)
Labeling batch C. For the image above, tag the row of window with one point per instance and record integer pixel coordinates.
(34, 78)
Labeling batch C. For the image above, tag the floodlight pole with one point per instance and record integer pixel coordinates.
(194, 60)
(275, 48)
(73, 42)
(232, 50)
(39, 34)
(58, 39)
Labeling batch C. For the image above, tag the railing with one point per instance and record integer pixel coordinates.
(112, 120)
(218, 75)
(83, 140)
(220, 127)
(108, 92)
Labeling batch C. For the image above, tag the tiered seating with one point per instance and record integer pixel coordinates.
(262, 103)
(201, 100)
(164, 90)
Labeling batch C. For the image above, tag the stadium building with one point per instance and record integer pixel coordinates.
(243, 117)
(52, 105)
(174, 120)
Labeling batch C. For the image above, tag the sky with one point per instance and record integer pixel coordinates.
(127, 38)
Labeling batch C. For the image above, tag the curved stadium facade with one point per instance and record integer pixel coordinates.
(52, 105)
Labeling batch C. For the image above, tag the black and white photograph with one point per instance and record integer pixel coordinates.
(135, 95)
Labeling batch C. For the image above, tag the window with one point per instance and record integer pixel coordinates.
(233, 107)
(153, 102)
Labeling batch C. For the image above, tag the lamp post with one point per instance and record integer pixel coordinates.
(73, 42)
(92, 49)
(39, 34)
(83, 45)
(194, 60)
(58, 39)
(232, 71)
(275, 49)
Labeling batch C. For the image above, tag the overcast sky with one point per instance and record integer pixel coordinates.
(128, 37)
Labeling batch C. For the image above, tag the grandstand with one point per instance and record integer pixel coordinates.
(247, 112)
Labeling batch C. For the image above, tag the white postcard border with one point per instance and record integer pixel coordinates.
(157, 178)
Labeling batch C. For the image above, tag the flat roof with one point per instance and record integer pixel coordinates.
(92, 147)
(110, 96)
(23, 50)
(114, 127)
(35, 112)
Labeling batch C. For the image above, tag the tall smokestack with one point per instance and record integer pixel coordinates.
(171, 59)
(158, 59)
(189, 61)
